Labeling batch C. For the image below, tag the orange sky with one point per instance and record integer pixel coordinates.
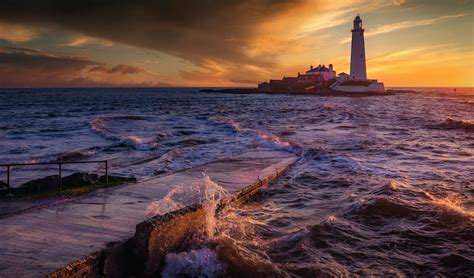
(230, 43)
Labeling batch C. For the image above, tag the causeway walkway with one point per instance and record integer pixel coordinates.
(39, 241)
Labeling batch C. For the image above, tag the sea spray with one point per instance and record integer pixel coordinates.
(195, 263)
(228, 242)
(212, 194)
(205, 191)
(201, 262)
(451, 203)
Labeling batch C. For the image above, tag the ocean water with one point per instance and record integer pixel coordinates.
(383, 185)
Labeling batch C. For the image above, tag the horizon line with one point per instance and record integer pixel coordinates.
(198, 87)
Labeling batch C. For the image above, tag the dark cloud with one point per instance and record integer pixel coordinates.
(34, 66)
(195, 30)
(22, 67)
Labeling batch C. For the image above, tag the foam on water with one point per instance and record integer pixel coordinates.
(383, 186)
(206, 192)
(265, 139)
(195, 263)
(452, 204)
(104, 125)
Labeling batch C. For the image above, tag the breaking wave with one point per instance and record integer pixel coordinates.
(456, 124)
(77, 155)
(194, 263)
(265, 139)
(206, 192)
(105, 127)
(452, 204)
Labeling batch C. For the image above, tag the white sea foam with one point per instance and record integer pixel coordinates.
(206, 192)
(195, 263)
(102, 125)
(265, 139)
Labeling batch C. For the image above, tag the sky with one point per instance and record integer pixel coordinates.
(201, 43)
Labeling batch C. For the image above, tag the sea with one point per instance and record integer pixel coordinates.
(383, 185)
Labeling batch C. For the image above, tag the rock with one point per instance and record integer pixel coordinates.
(3, 188)
(47, 184)
(3, 185)
(79, 179)
(117, 179)
(159, 172)
(208, 90)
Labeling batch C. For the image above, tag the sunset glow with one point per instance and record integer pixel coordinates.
(231, 43)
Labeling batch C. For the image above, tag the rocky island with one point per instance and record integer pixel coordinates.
(322, 80)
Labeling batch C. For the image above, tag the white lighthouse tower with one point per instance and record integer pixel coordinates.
(358, 69)
(357, 81)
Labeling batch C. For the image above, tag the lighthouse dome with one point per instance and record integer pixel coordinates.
(358, 23)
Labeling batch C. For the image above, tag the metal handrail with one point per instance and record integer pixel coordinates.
(59, 163)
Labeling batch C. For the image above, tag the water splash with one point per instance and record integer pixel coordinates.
(392, 184)
(451, 203)
(195, 263)
(206, 192)
(201, 262)
(212, 194)
(168, 203)
(331, 218)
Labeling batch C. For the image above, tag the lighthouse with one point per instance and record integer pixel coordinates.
(358, 69)
(356, 81)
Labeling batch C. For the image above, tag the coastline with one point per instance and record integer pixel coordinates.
(136, 242)
(145, 252)
(320, 92)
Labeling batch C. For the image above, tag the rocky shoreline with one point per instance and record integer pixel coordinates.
(316, 92)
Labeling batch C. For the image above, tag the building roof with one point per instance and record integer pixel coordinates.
(318, 69)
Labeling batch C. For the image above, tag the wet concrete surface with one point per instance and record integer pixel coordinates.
(39, 241)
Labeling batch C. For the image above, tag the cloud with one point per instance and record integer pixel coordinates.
(193, 30)
(16, 32)
(120, 69)
(399, 2)
(329, 20)
(85, 40)
(23, 67)
(77, 41)
(405, 25)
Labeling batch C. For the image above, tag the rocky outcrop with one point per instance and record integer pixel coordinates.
(47, 184)
(3, 185)
(76, 180)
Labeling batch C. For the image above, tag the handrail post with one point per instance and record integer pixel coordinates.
(8, 176)
(106, 173)
(60, 174)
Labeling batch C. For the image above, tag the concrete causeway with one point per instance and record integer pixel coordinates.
(40, 241)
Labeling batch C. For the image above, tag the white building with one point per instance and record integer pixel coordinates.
(327, 73)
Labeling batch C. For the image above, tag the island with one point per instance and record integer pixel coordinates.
(324, 81)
